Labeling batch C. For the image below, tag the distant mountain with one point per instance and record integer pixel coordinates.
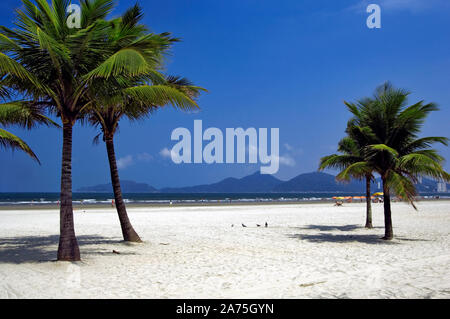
(320, 182)
(127, 187)
(256, 183)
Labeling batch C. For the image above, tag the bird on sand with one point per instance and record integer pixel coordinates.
(243, 225)
(258, 225)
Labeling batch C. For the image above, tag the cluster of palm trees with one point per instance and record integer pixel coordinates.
(382, 138)
(111, 69)
(104, 71)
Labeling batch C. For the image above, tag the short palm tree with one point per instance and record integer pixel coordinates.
(394, 149)
(351, 152)
(54, 65)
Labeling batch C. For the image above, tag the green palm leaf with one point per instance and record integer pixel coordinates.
(402, 186)
(383, 148)
(358, 169)
(160, 95)
(125, 62)
(9, 140)
(24, 114)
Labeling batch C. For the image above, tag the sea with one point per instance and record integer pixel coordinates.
(11, 199)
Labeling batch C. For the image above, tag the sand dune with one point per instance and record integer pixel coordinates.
(308, 251)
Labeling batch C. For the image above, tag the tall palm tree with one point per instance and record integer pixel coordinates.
(47, 61)
(22, 114)
(134, 103)
(133, 97)
(351, 150)
(394, 149)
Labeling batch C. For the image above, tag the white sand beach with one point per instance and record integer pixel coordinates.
(308, 251)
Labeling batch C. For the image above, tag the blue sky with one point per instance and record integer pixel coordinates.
(287, 64)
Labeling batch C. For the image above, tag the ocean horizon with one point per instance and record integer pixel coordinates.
(52, 198)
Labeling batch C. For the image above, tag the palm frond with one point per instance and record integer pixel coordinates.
(160, 95)
(92, 11)
(337, 161)
(9, 140)
(383, 148)
(402, 186)
(13, 68)
(24, 114)
(355, 170)
(419, 164)
(127, 61)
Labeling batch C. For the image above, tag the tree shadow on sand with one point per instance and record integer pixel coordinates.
(325, 236)
(333, 227)
(332, 238)
(17, 250)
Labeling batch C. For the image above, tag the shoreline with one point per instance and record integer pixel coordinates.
(78, 207)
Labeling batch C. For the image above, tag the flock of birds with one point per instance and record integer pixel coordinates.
(257, 225)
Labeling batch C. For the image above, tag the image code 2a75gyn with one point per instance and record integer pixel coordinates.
(227, 309)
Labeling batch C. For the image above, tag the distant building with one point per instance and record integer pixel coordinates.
(441, 187)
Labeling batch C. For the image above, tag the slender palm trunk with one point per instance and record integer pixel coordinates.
(68, 249)
(368, 203)
(388, 233)
(129, 234)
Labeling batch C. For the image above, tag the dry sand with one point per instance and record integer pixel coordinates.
(308, 251)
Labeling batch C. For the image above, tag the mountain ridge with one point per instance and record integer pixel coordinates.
(314, 182)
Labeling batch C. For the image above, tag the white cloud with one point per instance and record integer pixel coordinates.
(287, 160)
(125, 162)
(144, 157)
(165, 153)
(293, 151)
(288, 147)
(130, 160)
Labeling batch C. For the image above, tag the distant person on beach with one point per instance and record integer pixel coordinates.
(113, 203)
